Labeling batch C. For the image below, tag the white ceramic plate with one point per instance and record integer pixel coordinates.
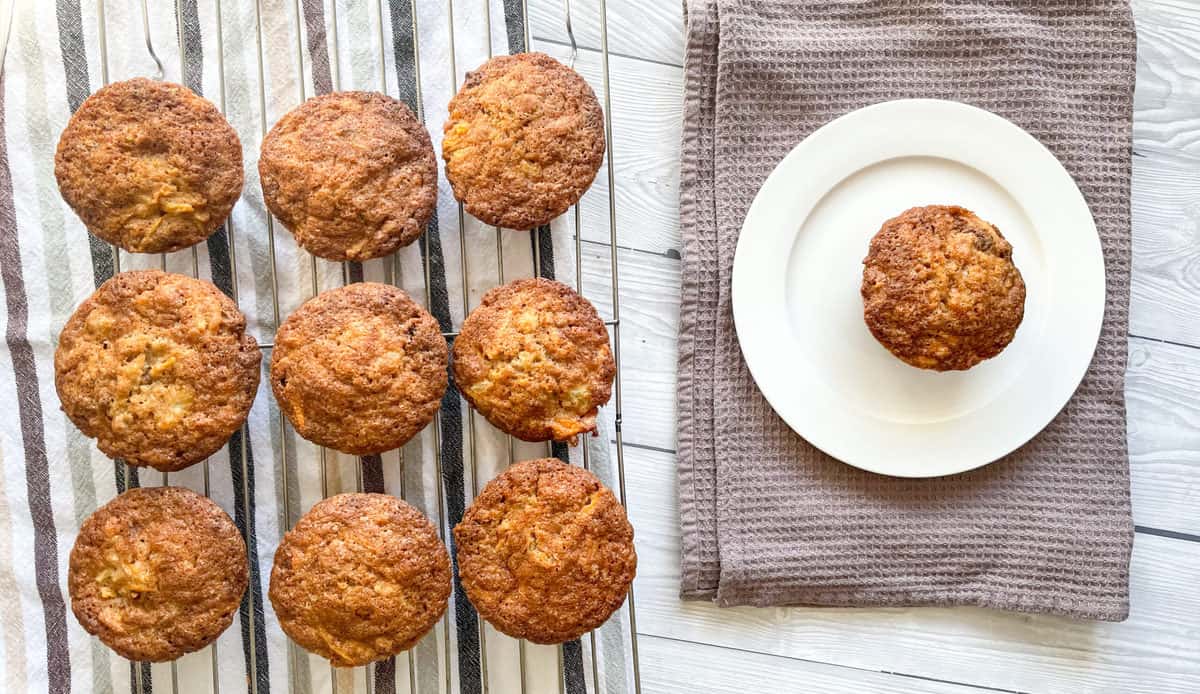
(798, 268)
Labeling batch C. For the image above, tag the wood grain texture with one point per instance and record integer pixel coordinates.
(1166, 248)
(648, 29)
(672, 666)
(649, 326)
(1162, 384)
(1167, 98)
(1166, 171)
(1155, 650)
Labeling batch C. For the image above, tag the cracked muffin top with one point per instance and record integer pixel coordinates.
(352, 175)
(158, 368)
(524, 140)
(545, 552)
(360, 369)
(157, 572)
(149, 165)
(940, 290)
(534, 359)
(361, 577)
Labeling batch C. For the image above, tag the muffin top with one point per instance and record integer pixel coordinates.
(360, 369)
(157, 572)
(545, 552)
(534, 359)
(158, 368)
(940, 290)
(149, 165)
(524, 140)
(352, 175)
(361, 577)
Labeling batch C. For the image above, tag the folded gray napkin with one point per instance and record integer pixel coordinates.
(767, 519)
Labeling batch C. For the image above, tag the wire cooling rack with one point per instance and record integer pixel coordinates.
(340, 680)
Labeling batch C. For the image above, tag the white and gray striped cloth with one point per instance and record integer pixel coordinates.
(256, 61)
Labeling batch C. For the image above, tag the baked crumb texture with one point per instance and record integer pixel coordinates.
(149, 165)
(940, 290)
(352, 175)
(360, 369)
(361, 577)
(534, 359)
(157, 572)
(545, 552)
(524, 140)
(158, 368)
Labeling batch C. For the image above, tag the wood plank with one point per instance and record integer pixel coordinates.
(636, 28)
(1155, 650)
(1166, 131)
(1162, 399)
(1167, 99)
(1166, 248)
(671, 666)
(649, 326)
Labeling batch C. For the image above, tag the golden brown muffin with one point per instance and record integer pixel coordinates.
(361, 577)
(157, 572)
(158, 368)
(352, 175)
(534, 359)
(149, 166)
(940, 290)
(545, 552)
(360, 369)
(524, 140)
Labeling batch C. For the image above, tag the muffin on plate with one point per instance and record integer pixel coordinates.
(361, 577)
(149, 166)
(524, 140)
(534, 359)
(158, 368)
(940, 290)
(352, 175)
(545, 552)
(360, 369)
(157, 572)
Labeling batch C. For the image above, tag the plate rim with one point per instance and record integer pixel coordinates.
(742, 275)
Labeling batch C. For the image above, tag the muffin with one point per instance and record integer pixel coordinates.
(149, 166)
(940, 290)
(157, 572)
(545, 552)
(524, 140)
(158, 368)
(534, 359)
(360, 369)
(361, 577)
(352, 175)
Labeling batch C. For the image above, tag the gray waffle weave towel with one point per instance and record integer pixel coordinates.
(766, 518)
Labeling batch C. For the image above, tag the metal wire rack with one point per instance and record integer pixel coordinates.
(140, 672)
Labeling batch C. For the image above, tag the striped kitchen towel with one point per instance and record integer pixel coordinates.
(256, 60)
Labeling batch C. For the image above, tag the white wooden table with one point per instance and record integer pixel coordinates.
(691, 647)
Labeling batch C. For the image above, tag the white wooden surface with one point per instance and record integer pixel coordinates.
(688, 646)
